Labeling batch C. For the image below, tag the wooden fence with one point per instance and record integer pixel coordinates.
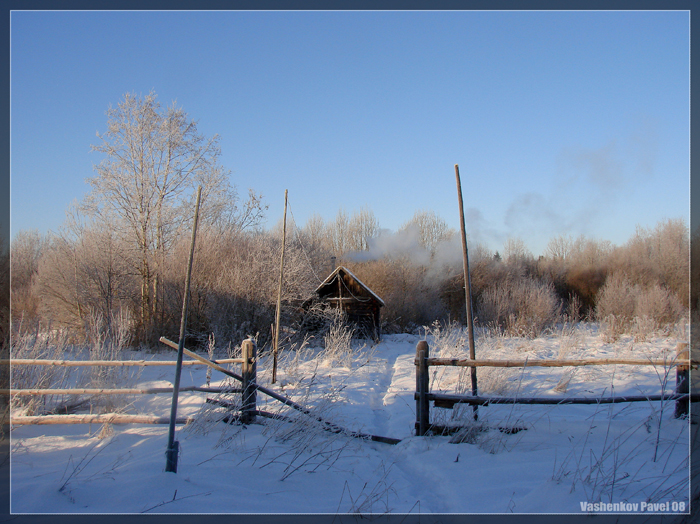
(423, 396)
(248, 378)
(248, 390)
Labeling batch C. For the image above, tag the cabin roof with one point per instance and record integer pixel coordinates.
(330, 278)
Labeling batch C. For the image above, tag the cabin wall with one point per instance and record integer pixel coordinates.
(361, 307)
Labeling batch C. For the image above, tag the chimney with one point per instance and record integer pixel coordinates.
(333, 266)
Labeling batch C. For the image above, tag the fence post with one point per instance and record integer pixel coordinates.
(682, 382)
(422, 388)
(248, 386)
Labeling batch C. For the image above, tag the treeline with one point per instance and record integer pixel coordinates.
(117, 265)
(93, 278)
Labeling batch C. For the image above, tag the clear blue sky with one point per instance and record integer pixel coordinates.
(561, 122)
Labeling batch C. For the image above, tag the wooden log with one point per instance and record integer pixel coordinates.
(122, 391)
(108, 363)
(445, 400)
(422, 388)
(249, 374)
(108, 418)
(556, 363)
(682, 381)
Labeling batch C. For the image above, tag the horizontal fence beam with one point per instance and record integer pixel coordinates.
(115, 363)
(123, 391)
(556, 363)
(443, 400)
(108, 418)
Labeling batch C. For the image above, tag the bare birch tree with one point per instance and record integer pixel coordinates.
(154, 159)
(363, 226)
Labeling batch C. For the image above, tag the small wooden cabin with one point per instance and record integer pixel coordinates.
(345, 291)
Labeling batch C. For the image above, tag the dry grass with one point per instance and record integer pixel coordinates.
(105, 341)
(52, 345)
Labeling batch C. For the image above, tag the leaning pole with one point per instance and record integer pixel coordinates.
(173, 446)
(467, 287)
(276, 340)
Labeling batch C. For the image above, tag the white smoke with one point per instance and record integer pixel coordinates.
(388, 244)
(444, 261)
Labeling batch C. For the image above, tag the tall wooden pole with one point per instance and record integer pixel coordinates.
(467, 286)
(279, 294)
(173, 446)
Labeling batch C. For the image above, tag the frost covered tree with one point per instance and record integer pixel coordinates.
(154, 159)
(363, 226)
(4, 296)
(432, 229)
(26, 249)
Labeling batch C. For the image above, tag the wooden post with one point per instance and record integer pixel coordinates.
(467, 288)
(279, 294)
(249, 374)
(422, 388)
(172, 450)
(682, 381)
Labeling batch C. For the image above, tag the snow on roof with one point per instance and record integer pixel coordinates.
(350, 273)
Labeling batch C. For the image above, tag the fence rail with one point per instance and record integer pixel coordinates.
(114, 391)
(559, 363)
(106, 418)
(108, 363)
(423, 396)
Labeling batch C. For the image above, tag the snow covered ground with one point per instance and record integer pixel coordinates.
(562, 459)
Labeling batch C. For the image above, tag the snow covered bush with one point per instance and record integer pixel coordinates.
(626, 307)
(524, 307)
